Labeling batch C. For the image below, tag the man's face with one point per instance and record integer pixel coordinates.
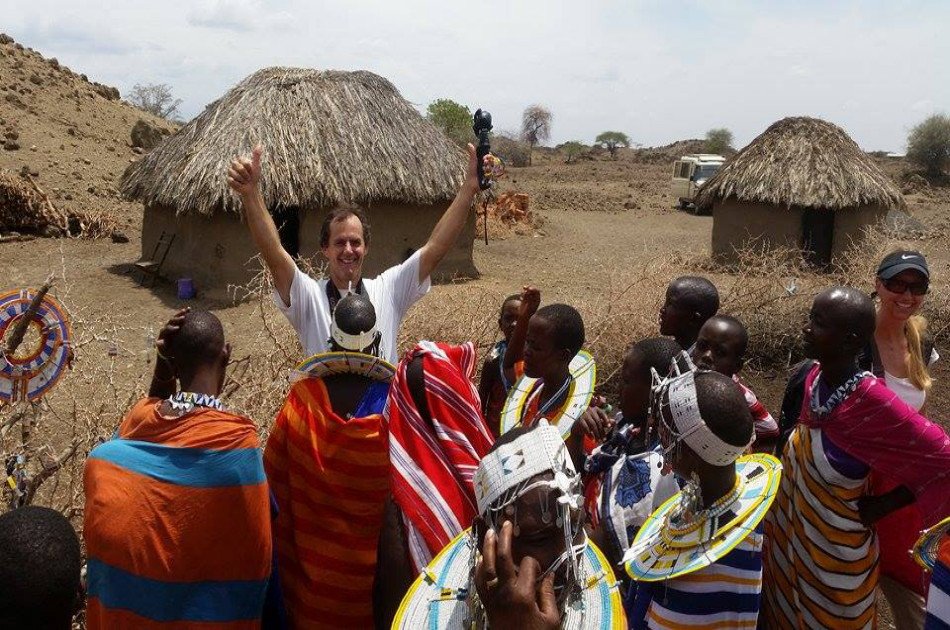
(717, 348)
(674, 316)
(346, 250)
(509, 318)
(539, 535)
(634, 390)
(540, 351)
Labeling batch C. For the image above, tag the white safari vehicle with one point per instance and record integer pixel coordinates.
(690, 173)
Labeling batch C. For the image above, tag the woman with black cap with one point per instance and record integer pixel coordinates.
(900, 354)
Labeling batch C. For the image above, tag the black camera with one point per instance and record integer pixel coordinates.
(481, 125)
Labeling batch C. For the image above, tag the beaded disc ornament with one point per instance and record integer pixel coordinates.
(926, 548)
(672, 543)
(330, 363)
(438, 599)
(42, 354)
(579, 394)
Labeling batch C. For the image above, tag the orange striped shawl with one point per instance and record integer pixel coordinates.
(177, 523)
(330, 477)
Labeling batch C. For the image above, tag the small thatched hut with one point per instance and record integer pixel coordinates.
(329, 138)
(803, 183)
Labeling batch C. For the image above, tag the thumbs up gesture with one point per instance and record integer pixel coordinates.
(244, 174)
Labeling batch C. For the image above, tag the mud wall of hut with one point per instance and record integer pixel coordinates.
(218, 251)
(737, 224)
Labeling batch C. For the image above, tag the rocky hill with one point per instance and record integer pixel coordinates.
(71, 135)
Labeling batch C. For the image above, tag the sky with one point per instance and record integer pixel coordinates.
(658, 71)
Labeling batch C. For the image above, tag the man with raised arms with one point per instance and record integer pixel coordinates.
(344, 241)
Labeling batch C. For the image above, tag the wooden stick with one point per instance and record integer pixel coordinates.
(16, 337)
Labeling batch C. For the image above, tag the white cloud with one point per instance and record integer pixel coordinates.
(657, 71)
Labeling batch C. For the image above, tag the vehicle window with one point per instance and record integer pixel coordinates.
(676, 169)
(705, 171)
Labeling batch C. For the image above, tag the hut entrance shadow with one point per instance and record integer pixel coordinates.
(818, 236)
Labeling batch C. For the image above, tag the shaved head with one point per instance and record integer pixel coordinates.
(849, 309)
(199, 343)
(355, 314)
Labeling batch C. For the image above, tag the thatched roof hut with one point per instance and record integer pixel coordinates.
(802, 183)
(329, 138)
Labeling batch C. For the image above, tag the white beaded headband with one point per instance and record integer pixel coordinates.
(540, 450)
(683, 404)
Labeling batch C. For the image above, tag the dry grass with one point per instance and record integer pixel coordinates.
(803, 162)
(329, 137)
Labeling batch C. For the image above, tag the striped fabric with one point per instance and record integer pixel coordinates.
(938, 600)
(330, 477)
(177, 523)
(766, 428)
(433, 463)
(725, 594)
(821, 566)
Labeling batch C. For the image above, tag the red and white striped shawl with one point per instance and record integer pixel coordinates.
(433, 463)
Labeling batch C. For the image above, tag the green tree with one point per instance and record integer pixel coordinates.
(928, 144)
(612, 140)
(535, 125)
(454, 119)
(572, 149)
(718, 140)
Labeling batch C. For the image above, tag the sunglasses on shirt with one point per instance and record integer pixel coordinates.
(897, 286)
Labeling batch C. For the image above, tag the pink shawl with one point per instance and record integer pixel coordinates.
(876, 427)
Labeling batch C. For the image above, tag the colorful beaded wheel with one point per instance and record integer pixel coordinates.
(926, 548)
(661, 551)
(38, 362)
(579, 394)
(329, 363)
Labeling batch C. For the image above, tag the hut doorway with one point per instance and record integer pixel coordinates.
(287, 221)
(818, 235)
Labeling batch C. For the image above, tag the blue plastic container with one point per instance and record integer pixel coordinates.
(186, 289)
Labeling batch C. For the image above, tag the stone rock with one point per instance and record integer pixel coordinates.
(138, 150)
(119, 237)
(146, 135)
(106, 91)
(11, 135)
(631, 205)
(36, 79)
(5, 39)
(11, 145)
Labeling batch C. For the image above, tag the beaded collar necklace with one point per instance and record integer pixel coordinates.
(187, 401)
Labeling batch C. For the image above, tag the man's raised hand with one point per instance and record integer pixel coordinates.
(244, 174)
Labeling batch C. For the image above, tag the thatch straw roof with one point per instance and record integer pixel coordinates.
(803, 162)
(329, 137)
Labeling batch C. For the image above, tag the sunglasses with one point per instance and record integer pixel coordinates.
(895, 285)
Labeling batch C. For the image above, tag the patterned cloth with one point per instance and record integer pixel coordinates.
(330, 476)
(822, 562)
(938, 600)
(766, 428)
(726, 594)
(433, 463)
(177, 522)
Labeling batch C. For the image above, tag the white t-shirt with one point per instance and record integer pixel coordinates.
(905, 389)
(392, 293)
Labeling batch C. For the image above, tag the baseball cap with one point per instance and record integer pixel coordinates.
(902, 260)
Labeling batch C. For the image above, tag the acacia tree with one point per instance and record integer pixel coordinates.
(612, 140)
(928, 144)
(718, 140)
(452, 118)
(535, 126)
(155, 98)
(572, 149)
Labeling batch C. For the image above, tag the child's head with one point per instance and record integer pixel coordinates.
(508, 316)
(39, 569)
(636, 378)
(721, 345)
(690, 301)
(353, 328)
(555, 334)
(840, 325)
(726, 426)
